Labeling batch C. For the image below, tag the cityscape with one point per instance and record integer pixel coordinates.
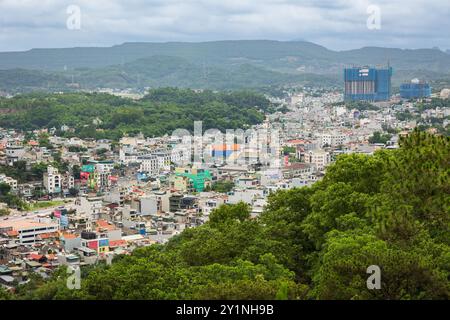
(266, 174)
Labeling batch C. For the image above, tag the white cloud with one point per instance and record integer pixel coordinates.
(338, 24)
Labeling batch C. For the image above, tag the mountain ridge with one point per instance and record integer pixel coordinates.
(54, 59)
(231, 64)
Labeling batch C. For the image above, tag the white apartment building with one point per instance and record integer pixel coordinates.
(128, 155)
(149, 164)
(180, 156)
(91, 206)
(14, 152)
(319, 158)
(54, 182)
(332, 139)
(103, 166)
(116, 196)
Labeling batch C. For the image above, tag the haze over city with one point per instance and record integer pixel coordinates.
(335, 24)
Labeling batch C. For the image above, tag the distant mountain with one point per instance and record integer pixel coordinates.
(212, 53)
(214, 65)
(164, 71)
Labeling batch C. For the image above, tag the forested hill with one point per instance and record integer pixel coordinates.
(391, 209)
(287, 55)
(98, 115)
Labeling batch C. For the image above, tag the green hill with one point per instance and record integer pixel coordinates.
(160, 112)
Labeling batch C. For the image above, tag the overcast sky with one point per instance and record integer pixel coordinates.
(336, 24)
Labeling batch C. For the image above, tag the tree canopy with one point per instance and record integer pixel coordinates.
(161, 111)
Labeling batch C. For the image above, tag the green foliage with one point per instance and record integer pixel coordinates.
(160, 112)
(10, 199)
(4, 189)
(433, 104)
(4, 294)
(76, 149)
(361, 106)
(406, 274)
(379, 137)
(405, 116)
(223, 186)
(287, 150)
(44, 141)
(240, 212)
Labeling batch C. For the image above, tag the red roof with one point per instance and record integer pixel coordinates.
(12, 233)
(48, 235)
(35, 257)
(298, 141)
(103, 224)
(117, 243)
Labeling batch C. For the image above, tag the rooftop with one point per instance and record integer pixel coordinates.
(23, 224)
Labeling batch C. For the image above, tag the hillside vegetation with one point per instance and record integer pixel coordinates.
(94, 115)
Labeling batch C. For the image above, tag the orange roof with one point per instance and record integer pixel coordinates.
(51, 256)
(117, 243)
(34, 256)
(102, 223)
(224, 147)
(12, 233)
(48, 235)
(105, 225)
(33, 143)
(69, 236)
(297, 141)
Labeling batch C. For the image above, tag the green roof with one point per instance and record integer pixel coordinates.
(198, 180)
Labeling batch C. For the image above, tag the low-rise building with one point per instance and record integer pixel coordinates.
(28, 231)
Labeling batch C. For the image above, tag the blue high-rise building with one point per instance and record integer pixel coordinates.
(415, 90)
(367, 84)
